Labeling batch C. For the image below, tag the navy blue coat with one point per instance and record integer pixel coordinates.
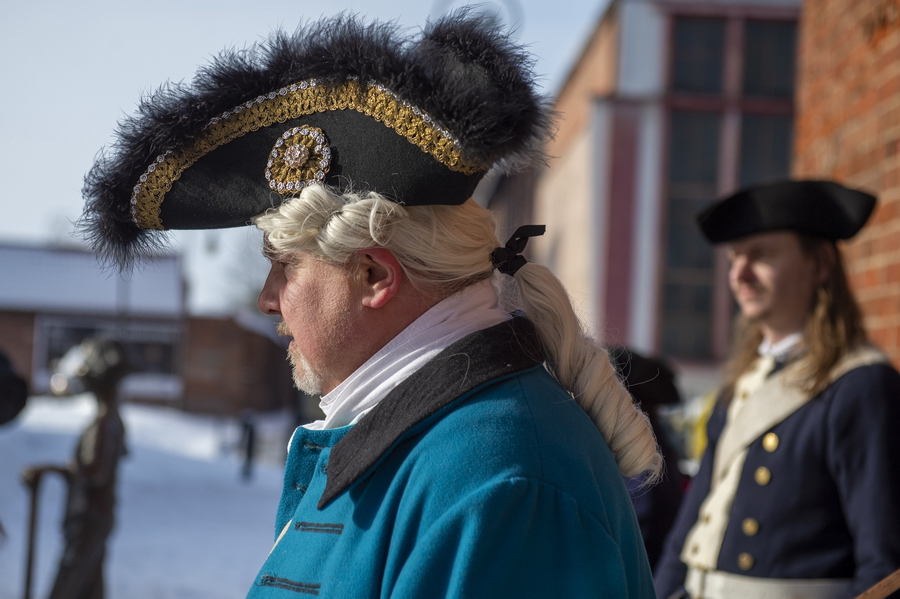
(831, 508)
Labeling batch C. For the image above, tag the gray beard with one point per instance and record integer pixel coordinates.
(310, 382)
(305, 378)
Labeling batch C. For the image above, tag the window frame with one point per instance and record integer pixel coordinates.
(731, 105)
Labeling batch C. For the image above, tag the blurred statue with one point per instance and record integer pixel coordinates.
(91, 476)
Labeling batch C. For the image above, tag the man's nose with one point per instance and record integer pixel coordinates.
(743, 271)
(267, 302)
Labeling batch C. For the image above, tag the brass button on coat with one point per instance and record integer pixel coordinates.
(770, 442)
(762, 476)
(745, 561)
(750, 526)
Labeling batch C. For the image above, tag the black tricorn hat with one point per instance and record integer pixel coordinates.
(353, 105)
(820, 208)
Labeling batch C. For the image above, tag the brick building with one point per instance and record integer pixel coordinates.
(670, 105)
(232, 363)
(848, 129)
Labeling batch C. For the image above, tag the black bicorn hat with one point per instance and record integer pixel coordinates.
(357, 106)
(819, 208)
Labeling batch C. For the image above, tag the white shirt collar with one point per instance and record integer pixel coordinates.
(474, 308)
(780, 349)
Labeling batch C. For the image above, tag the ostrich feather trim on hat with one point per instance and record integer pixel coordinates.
(339, 102)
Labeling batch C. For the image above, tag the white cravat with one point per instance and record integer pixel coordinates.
(782, 348)
(474, 308)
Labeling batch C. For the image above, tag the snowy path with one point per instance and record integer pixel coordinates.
(187, 526)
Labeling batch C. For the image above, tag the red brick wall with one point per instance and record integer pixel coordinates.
(227, 368)
(848, 129)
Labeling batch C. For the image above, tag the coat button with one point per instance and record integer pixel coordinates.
(762, 476)
(770, 442)
(750, 526)
(745, 561)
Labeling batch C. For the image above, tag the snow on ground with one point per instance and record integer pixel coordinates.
(187, 525)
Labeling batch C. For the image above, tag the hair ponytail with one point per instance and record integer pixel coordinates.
(583, 367)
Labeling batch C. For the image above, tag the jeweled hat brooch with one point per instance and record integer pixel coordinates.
(340, 102)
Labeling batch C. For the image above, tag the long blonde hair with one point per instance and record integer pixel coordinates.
(834, 325)
(443, 249)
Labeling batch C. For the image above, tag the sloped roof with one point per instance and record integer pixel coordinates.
(44, 279)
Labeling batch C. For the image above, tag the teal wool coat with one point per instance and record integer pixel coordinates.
(478, 476)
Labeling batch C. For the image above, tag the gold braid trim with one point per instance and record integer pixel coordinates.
(291, 102)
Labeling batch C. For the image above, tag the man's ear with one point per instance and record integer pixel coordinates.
(380, 276)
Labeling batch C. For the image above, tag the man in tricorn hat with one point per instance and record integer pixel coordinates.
(798, 493)
(460, 454)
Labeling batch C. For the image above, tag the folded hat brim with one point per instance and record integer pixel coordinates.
(823, 209)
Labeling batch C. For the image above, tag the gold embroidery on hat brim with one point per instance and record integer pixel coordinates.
(292, 102)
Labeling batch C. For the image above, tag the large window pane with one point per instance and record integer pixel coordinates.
(765, 148)
(688, 278)
(698, 55)
(769, 51)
